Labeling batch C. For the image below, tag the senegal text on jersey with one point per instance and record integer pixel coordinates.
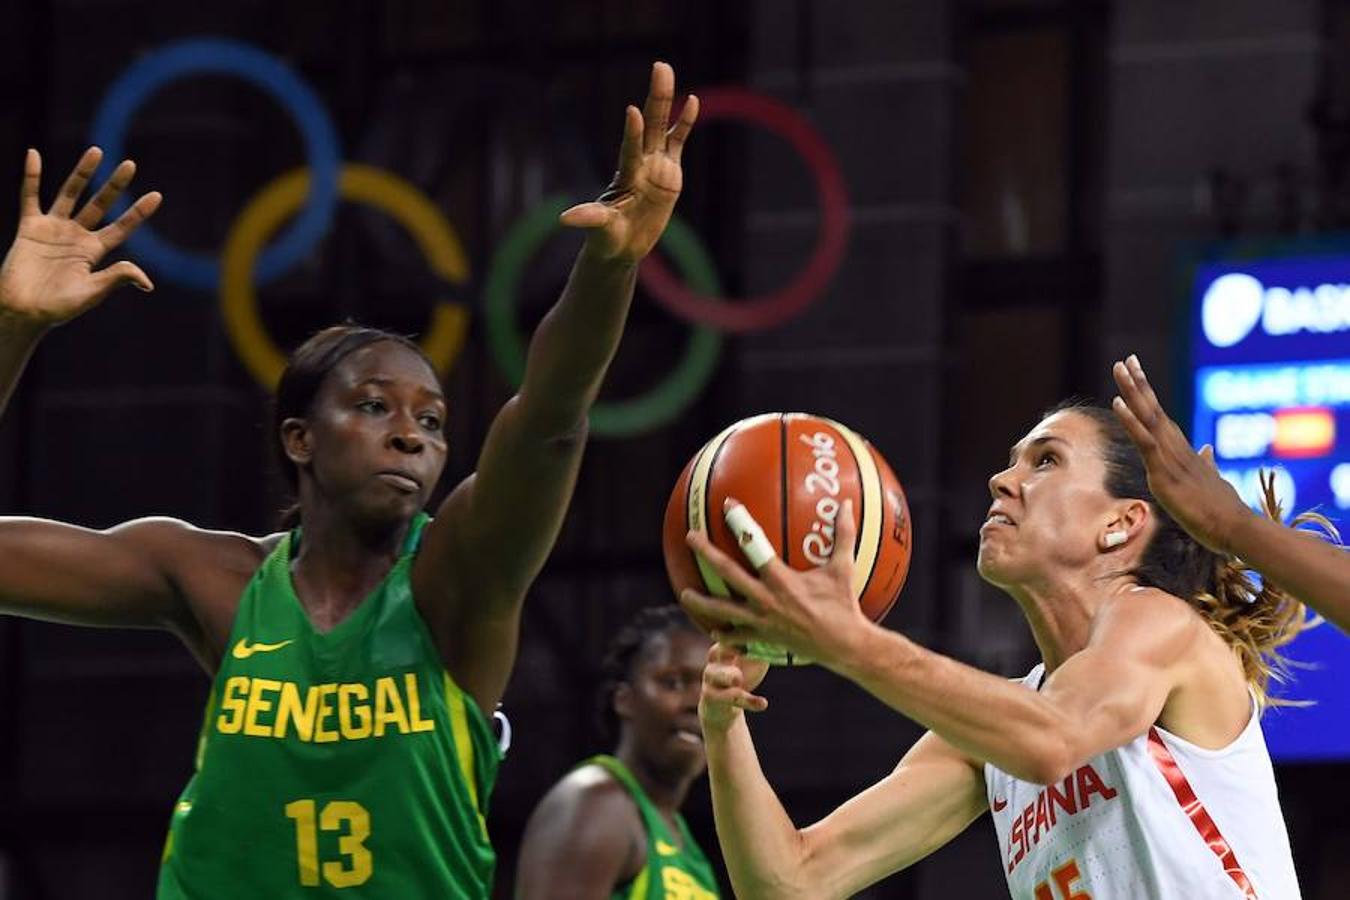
(265, 707)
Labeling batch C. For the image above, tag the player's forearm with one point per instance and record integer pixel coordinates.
(18, 338)
(987, 717)
(1311, 569)
(576, 340)
(762, 848)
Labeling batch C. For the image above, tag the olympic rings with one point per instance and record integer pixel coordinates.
(324, 179)
(190, 57)
(767, 310)
(435, 236)
(659, 405)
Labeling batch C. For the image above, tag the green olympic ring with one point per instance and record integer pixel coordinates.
(668, 398)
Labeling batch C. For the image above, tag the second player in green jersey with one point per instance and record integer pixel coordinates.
(612, 827)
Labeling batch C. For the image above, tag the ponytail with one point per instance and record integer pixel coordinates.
(1253, 616)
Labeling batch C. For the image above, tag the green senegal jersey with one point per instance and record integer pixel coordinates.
(676, 869)
(343, 764)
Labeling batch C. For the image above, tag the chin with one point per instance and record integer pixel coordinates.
(695, 763)
(985, 564)
(993, 570)
(395, 501)
(390, 512)
(691, 759)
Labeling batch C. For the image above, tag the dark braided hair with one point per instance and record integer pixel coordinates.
(1253, 616)
(305, 372)
(627, 649)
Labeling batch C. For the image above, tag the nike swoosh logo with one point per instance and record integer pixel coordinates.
(243, 649)
(1000, 804)
(666, 849)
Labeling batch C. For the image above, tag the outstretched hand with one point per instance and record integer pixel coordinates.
(1185, 482)
(729, 681)
(626, 221)
(814, 614)
(48, 275)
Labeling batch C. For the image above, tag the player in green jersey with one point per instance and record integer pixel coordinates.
(357, 657)
(611, 828)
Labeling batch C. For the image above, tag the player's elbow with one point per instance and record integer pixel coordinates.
(786, 875)
(559, 426)
(1050, 758)
(1047, 771)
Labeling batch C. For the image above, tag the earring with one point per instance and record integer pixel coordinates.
(1116, 538)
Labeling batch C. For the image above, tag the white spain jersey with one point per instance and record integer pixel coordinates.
(1156, 819)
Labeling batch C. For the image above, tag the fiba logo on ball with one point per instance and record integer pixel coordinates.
(899, 518)
(1231, 308)
(793, 472)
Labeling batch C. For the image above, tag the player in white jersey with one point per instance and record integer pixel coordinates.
(1188, 486)
(1148, 819)
(1129, 765)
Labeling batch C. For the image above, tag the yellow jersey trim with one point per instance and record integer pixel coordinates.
(639, 888)
(459, 727)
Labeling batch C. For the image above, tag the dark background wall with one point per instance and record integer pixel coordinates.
(1024, 176)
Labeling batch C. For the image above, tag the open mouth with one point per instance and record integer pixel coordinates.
(687, 736)
(997, 518)
(996, 523)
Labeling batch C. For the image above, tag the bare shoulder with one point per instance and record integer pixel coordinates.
(1165, 619)
(584, 839)
(1147, 601)
(1156, 629)
(210, 570)
(587, 815)
(1209, 703)
(590, 793)
(189, 546)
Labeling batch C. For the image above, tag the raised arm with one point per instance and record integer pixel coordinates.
(1100, 698)
(932, 796)
(1188, 486)
(48, 274)
(148, 573)
(494, 531)
(50, 570)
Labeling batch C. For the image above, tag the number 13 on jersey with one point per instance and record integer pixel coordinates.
(352, 821)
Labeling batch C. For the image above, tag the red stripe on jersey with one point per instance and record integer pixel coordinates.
(1196, 812)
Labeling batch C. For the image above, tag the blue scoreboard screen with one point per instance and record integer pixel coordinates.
(1270, 371)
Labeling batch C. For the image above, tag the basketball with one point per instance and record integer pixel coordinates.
(793, 472)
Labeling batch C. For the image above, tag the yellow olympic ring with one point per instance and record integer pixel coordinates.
(383, 190)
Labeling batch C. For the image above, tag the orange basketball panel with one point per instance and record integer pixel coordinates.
(893, 556)
(681, 567)
(747, 467)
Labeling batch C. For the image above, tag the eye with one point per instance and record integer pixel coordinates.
(371, 405)
(1046, 458)
(430, 422)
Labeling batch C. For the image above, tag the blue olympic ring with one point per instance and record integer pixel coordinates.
(190, 57)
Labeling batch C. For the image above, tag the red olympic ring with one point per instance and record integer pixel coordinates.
(770, 309)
